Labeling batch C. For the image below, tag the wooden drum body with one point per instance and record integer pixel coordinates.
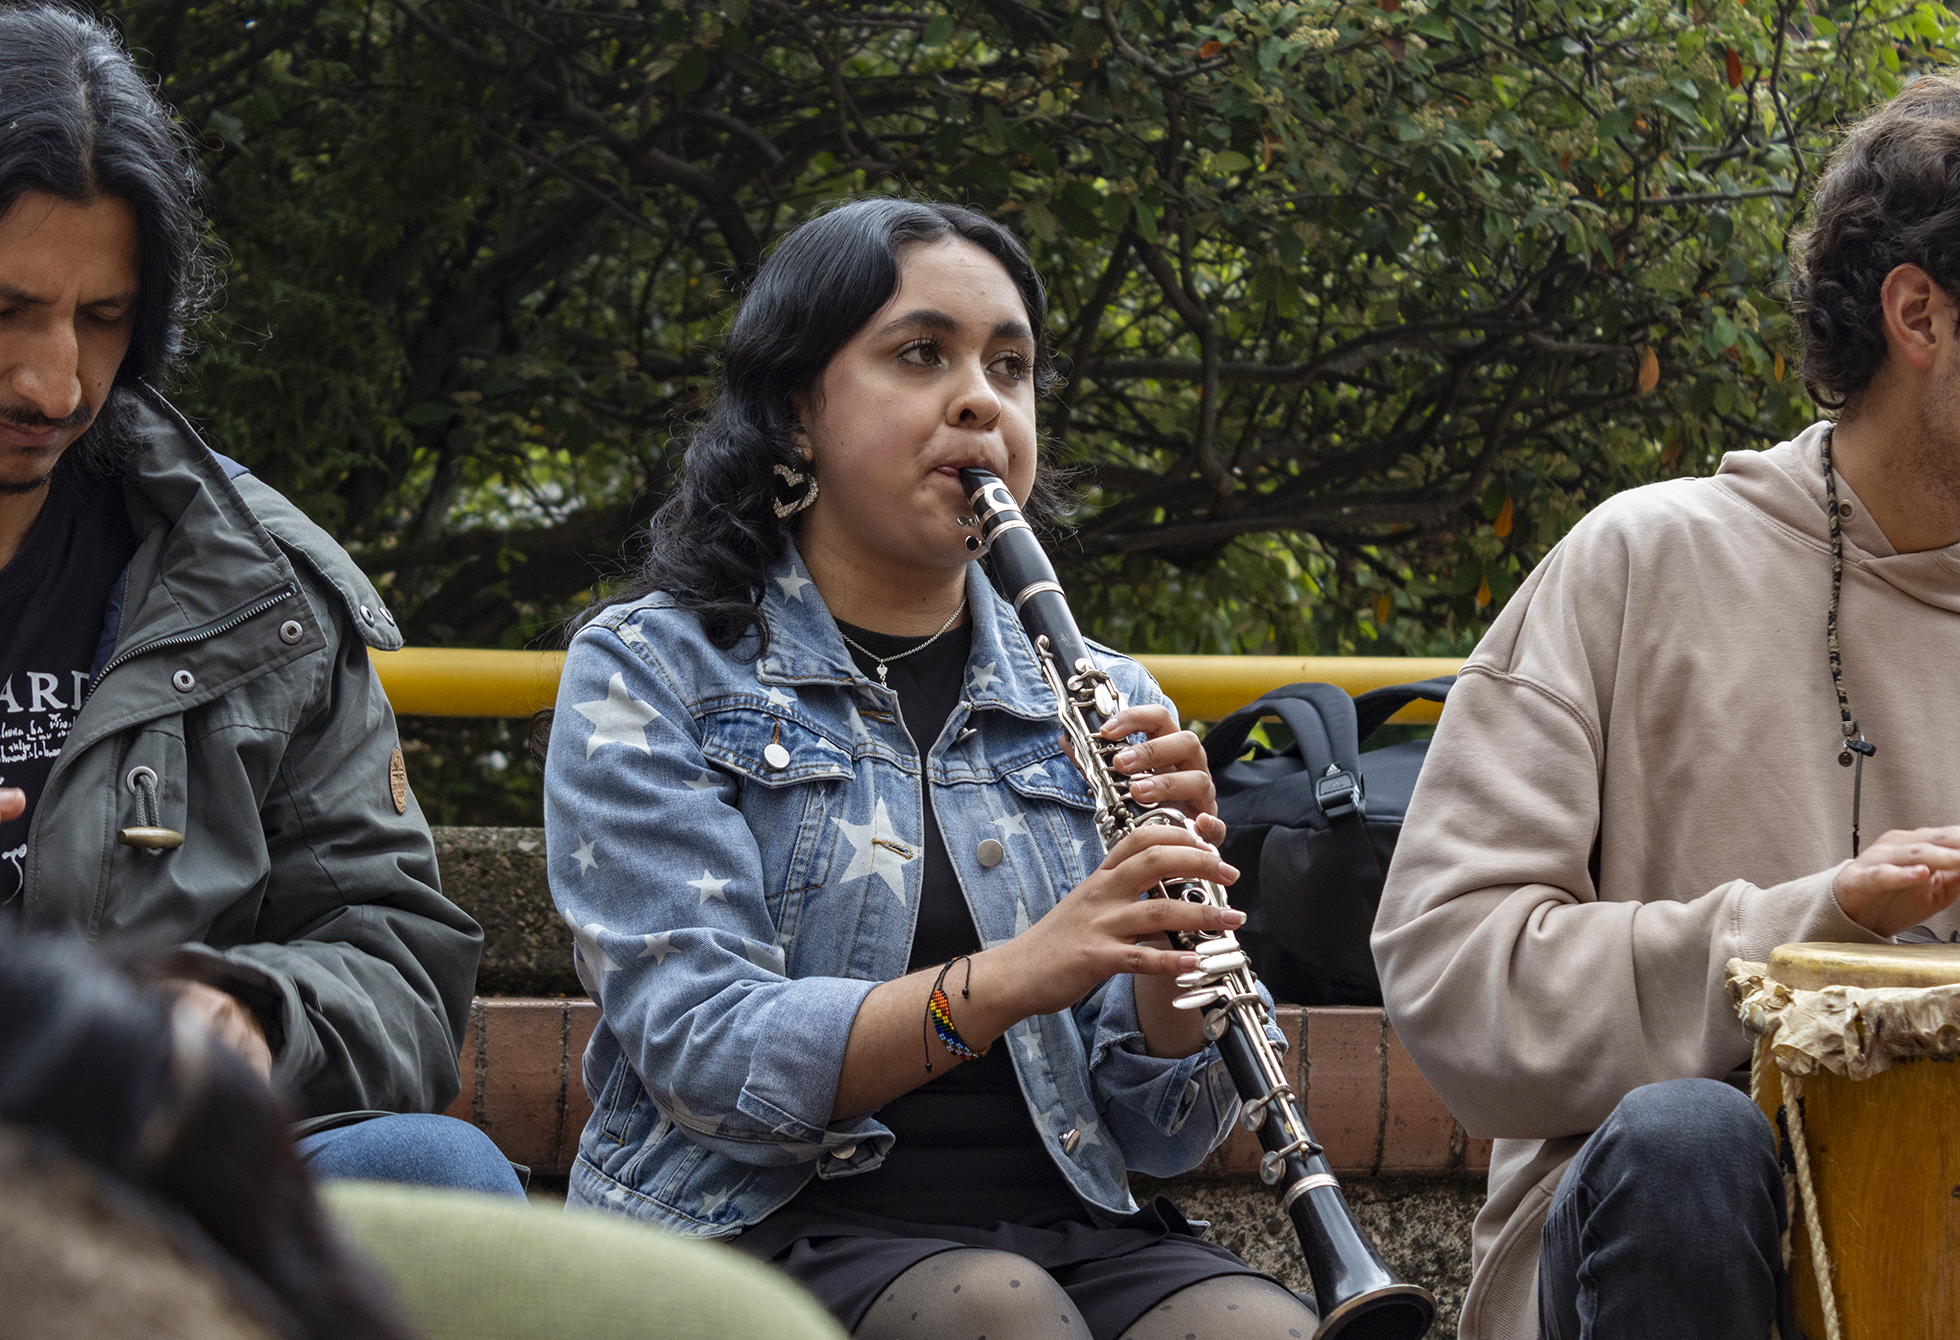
(1884, 1160)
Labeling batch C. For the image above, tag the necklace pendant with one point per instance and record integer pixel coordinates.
(881, 676)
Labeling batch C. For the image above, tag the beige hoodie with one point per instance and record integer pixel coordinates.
(1636, 779)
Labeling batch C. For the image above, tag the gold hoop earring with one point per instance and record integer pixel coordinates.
(794, 479)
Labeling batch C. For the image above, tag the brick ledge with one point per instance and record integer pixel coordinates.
(1366, 1101)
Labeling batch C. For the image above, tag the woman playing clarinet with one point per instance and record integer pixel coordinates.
(877, 1007)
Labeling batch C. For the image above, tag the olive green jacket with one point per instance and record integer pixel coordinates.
(235, 670)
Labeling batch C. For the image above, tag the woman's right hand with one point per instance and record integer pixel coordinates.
(1103, 926)
(13, 803)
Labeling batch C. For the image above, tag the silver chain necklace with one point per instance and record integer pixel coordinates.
(884, 661)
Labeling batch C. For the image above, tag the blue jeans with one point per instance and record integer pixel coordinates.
(1668, 1225)
(417, 1148)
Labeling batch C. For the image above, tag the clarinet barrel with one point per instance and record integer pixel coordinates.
(1359, 1297)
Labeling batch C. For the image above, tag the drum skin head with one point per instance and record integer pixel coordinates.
(1811, 967)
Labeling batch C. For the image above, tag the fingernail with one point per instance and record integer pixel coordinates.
(1143, 788)
(1187, 962)
(1234, 917)
(1125, 759)
(1231, 872)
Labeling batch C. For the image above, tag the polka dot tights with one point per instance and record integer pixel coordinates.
(972, 1294)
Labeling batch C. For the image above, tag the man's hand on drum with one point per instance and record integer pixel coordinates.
(13, 803)
(1902, 880)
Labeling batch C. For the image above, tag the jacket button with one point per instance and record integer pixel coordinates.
(990, 853)
(843, 1152)
(184, 680)
(290, 632)
(775, 756)
(1070, 1139)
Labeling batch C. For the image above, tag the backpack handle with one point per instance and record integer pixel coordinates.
(1320, 716)
(1376, 706)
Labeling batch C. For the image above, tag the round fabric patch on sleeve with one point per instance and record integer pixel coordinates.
(398, 780)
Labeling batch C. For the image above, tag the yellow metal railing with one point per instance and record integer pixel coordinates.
(444, 682)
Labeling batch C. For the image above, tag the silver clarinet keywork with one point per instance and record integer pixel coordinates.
(1358, 1296)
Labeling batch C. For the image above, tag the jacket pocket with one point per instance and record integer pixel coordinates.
(787, 773)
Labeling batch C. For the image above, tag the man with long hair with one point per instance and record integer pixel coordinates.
(204, 763)
(1710, 722)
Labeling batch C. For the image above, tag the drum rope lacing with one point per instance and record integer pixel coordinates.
(1791, 1110)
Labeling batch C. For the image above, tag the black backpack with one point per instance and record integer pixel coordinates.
(1312, 828)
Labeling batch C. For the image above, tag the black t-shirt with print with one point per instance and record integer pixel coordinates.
(52, 598)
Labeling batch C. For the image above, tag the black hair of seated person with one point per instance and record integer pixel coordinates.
(84, 1255)
(111, 1072)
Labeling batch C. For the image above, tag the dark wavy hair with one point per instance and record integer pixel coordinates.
(1890, 197)
(82, 123)
(713, 541)
(103, 1069)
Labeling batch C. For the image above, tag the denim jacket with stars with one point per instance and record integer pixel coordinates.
(737, 847)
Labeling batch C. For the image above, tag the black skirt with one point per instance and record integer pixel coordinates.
(1113, 1274)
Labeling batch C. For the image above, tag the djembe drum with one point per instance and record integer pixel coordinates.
(1854, 1060)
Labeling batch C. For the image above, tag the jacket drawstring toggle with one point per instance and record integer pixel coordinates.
(148, 836)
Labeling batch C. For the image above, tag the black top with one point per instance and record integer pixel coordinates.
(967, 1151)
(52, 597)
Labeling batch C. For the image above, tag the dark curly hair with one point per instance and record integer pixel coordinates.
(1890, 197)
(714, 540)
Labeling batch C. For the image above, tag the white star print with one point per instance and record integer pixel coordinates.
(713, 1201)
(1030, 1044)
(793, 586)
(630, 632)
(682, 1115)
(873, 856)
(617, 718)
(1021, 922)
(778, 698)
(984, 677)
(1012, 825)
(707, 781)
(586, 860)
(1089, 1127)
(766, 957)
(658, 947)
(710, 887)
(590, 951)
(1034, 772)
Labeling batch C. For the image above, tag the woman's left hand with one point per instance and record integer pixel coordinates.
(1168, 768)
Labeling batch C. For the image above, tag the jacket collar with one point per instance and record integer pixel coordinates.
(806, 648)
(202, 554)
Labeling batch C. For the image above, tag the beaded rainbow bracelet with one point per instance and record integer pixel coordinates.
(939, 1014)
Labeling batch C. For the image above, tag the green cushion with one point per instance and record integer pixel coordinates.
(471, 1267)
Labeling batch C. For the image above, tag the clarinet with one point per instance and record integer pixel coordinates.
(1358, 1296)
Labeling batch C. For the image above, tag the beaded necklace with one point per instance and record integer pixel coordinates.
(1854, 748)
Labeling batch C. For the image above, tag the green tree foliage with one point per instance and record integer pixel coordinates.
(1361, 304)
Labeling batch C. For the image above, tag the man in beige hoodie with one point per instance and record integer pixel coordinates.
(1639, 777)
